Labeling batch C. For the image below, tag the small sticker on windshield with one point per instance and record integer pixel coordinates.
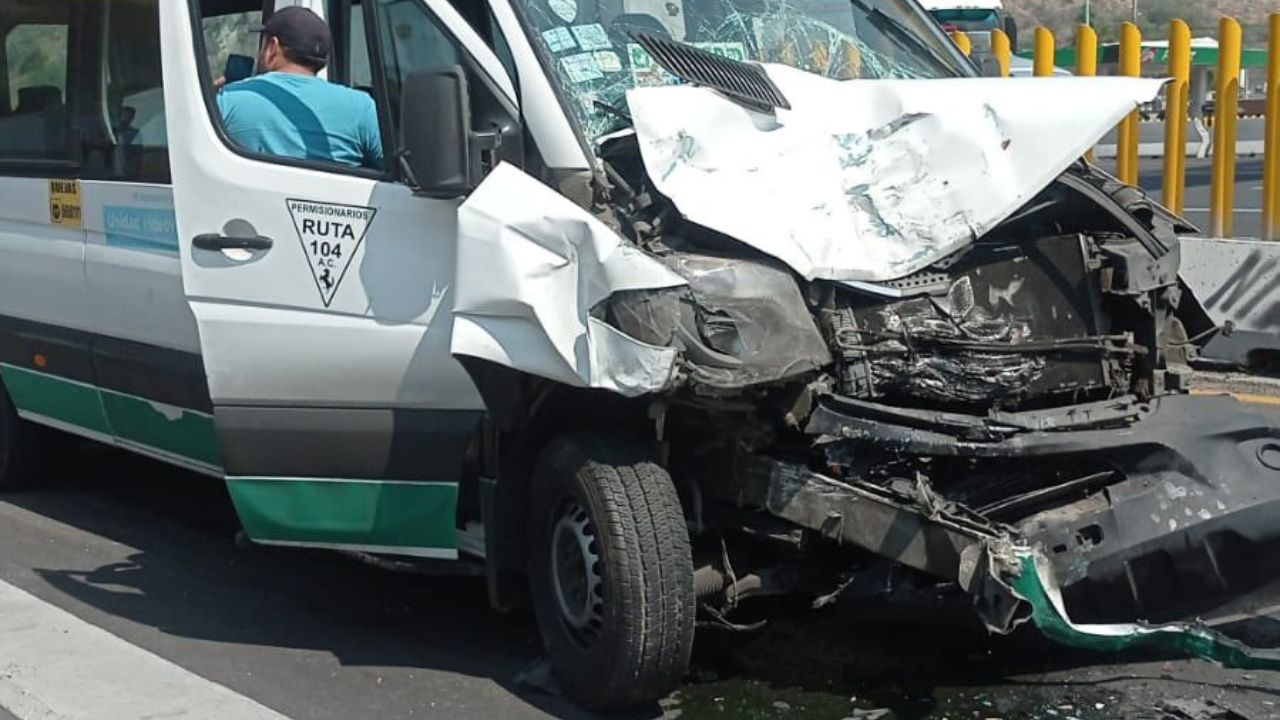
(592, 37)
(608, 61)
(559, 39)
(566, 10)
(330, 235)
(581, 68)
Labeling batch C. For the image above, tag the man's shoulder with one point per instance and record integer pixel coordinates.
(248, 91)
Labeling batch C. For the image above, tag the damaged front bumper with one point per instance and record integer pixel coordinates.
(1181, 518)
(1175, 501)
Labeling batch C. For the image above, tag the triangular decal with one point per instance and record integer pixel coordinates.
(330, 235)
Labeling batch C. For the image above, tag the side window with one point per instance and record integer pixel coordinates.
(34, 117)
(480, 17)
(411, 40)
(134, 99)
(287, 104)
(358, 54)
(230, 34)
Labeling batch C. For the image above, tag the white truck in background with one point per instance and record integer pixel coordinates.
(975, 18)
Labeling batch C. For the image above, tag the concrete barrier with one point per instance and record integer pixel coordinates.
(1238, 283)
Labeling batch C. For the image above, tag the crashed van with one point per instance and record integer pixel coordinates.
(655, 309)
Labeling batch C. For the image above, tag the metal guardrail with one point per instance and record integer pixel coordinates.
(1223, 123)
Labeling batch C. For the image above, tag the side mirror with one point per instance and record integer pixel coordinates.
(435, 125)
(1011, 29)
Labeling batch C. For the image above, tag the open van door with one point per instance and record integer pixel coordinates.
(322, 296)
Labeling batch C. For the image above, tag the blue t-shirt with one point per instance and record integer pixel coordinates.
(303, 117)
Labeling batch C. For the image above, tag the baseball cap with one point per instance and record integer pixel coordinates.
(300, 31)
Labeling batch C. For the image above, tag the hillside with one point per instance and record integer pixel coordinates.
(1061, 16)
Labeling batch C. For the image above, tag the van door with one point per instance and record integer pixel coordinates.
(322, 295)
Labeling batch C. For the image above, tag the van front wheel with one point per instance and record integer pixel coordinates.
(610, 571)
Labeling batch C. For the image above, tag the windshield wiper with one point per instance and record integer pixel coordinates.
(613, 110)
(895, 26)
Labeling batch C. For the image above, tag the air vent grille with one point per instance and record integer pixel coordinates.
(746, 83)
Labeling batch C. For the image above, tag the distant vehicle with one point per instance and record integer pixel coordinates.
(975, 18)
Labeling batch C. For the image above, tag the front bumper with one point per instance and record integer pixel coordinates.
(1188, 519)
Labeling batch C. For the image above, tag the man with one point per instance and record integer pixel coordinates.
(288, 111)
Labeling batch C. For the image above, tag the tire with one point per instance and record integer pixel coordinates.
(602, 496)
(20, 448)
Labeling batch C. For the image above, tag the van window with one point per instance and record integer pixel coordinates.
(135, 92)
(230, 34)
(358, 55)
(412, 40)
(288, 116)
(34, 120)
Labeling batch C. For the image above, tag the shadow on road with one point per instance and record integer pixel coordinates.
(188, 578)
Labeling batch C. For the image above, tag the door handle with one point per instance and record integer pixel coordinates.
(213, 241)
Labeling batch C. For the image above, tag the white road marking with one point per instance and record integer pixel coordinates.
(55, 666)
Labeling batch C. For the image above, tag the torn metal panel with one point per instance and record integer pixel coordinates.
(871, 180)
(531, 268)
(903, 522)
(1035, 584)
(1173, 512)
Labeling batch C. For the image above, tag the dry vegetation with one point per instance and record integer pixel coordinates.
(1061, 16)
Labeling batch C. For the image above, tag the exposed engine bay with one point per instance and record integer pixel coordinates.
(1010, 420)
(992, 384)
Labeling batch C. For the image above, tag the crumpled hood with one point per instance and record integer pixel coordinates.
(871, 180)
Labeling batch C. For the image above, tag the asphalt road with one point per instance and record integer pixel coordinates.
(1248, 214)
(147, 554)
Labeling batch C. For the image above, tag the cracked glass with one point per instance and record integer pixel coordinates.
(590, 43)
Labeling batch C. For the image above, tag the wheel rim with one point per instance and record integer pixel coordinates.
(575, 572)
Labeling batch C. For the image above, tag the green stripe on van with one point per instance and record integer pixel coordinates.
(185, 433)
(52, 397)
(347, 513)
(165, 430)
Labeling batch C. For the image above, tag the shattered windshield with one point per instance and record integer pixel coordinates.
(590, 46)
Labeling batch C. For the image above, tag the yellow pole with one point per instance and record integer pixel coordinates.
(1175, 115)
(1002, 49)
(1086, 51)
(1227, 102)
(1086, 58)
(1127, 145)
(1271, 166)
(1044, 53)
(963, 41)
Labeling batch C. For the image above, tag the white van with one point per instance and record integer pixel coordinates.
(651, 312)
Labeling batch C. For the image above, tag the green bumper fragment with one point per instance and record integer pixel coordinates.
(1036, 586)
